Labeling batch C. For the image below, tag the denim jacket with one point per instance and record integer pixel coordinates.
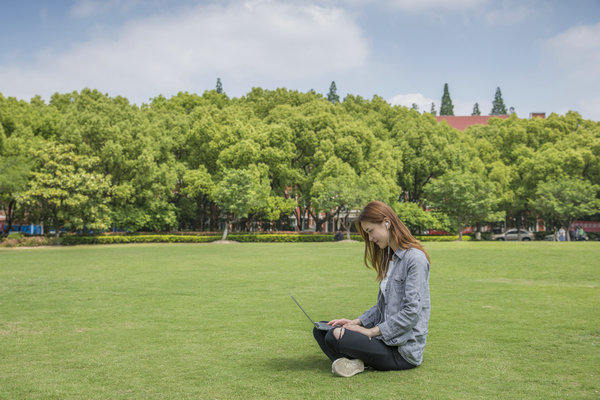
(403, 314)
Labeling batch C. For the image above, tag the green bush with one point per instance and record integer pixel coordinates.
(114, 239)
(16, 239)
(441, 238)
(70, 240)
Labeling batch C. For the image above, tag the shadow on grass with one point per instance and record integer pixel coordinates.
(306, 363)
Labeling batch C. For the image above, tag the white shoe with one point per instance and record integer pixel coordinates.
(346, 367)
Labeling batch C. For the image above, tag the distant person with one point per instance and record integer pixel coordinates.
(580, 233)
(572, 235)
(339, 236)
(392, 334)
(562, 234)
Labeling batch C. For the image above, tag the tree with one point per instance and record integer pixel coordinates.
(564, 200)
(432, 110)
(415, 106)
(335, 189)
(64, 185)
(332, 96)
(241, 192)
(476, 109)
(446, 108)
(219, 88)
(466, 196)
(417, 219)
(498, 107)
(14, 177)
(428, 150)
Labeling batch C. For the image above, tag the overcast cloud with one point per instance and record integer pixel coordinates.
(243, 41)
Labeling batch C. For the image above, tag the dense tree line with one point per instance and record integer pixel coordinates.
(272, 158)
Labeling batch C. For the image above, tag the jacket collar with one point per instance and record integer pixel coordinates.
(399, 254)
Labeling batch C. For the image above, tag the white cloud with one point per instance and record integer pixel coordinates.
(436, 5)
(409, 99)
(165, 54)
(91, 8)
(578, 50)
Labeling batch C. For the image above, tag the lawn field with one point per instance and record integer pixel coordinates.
(215, 321)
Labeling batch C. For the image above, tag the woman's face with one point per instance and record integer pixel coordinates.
(377, 232)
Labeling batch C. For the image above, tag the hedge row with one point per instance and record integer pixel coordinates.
(112, 239)
(441, 238)
(247, 238)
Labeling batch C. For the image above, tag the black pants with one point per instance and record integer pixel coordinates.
(373, 352)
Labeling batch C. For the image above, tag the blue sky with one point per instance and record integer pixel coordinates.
(544, 55)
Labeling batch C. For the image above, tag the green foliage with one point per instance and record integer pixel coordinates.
(332, 95)
(567, 199)
(476, 109)
(432, 111)
(417, 219)
(16, 239)
(442, 238)
(70, 240)
(203, 162)
(66, 186)
(498, 107)
(466, 196)
(446, 108)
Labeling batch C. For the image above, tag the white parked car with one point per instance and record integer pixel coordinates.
(512, 234)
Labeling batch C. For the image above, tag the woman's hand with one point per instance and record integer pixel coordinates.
(371, 333)
(344, 322)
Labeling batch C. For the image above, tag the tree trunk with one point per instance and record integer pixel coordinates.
(459, 228)
(347, 224)
(298, 212)
(56, 227)
(569, 223)
(10, 212)
(226, 231)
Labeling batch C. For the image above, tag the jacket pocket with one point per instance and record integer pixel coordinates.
(398, 283)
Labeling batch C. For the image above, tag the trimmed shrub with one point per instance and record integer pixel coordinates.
(18, 240)
(442, 238)
(70, 240)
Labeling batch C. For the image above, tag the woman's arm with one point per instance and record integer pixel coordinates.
(370, 332)
(344, 322)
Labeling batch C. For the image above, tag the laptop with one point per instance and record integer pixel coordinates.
(319, 325)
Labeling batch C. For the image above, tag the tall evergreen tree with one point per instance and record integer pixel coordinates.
(332, 96)
(433, 111)
(498, 107)
(476, 109)
(219, 87)
(446, 108)
(415, 106)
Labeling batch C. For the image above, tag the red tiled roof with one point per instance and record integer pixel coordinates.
(463, 122)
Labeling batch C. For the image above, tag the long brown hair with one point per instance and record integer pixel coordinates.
(375, 257)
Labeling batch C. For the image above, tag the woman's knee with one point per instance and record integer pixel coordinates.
(338, 333)
(333, 335)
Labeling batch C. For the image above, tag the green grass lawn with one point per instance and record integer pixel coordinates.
(211, 321)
